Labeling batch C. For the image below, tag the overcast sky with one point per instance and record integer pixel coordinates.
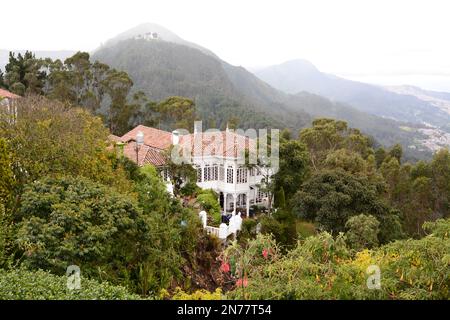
(378, 41)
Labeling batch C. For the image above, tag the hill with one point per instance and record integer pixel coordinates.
(222, 91)
(299, 75)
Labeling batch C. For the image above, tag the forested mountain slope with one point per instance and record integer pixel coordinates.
(221, 91)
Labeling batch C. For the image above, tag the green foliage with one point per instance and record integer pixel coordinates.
(322, 267)
(51, 138)
(280, 199)
(7, 180)
(255, 255)
(93, 85)
(176, 113)
(22, 284)
(24, 74)
(69, 221)
(6, 238)
(396, 152)
(344, 159)
(179, 294)
(281, 225)
(181, 173)
(362, 232)
(210, 203)
(293, 167)
(330, 198)
(152, 193)
(170, 235)
(328, 135)
(380, 155)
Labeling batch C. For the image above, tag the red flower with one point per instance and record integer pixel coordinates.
(242, 283)
(265, 253)
(225, 267)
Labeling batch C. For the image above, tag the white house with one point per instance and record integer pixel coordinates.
(147, 36)
(217, 156)
(7, 102)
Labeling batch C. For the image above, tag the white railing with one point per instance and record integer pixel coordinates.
(224, 230)
(212, 231)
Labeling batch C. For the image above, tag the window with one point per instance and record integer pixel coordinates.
(210, 173)
(260, 196)
(241, 200)
(252, 171)
(242, 175)
(164, 173)
(215, 172)
(199, 174)
(230, 174)
(221, 172)
(207, 173)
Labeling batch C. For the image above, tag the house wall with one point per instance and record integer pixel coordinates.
(235, 188)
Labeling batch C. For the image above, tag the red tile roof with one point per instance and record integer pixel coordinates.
(155, 138)
(146, 154)
(7, 94)
(223, 144)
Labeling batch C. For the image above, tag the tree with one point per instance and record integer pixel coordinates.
(181, 174)
(396, 152)
(51, 138)
(118, 85)
(440, 174)
(92, 85)
(331, 197)
(152, 192)
(2, 80)
(24, 74)
(420, 207)
(176, 113)
(280, 199)
(380, 155)
(362, 232)
(328, 135)
(349, 161)
(390, 169)
(293, 167)
(73, 221)
(7, 180)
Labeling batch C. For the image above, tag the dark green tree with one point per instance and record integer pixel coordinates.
(397, 152)
(362, 232)
(293, 167)
(331, 197)
(24, 74)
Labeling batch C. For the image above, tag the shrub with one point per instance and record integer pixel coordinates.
(22, 284)
(322, 267)
(179, 294)
(65, 221)
(362, 232)
(209, 202)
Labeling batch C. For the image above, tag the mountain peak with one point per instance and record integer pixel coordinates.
(145, 28)
(156, 32)
(299, 65)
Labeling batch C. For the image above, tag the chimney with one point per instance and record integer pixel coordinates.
(175, 137)
(197, 127)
